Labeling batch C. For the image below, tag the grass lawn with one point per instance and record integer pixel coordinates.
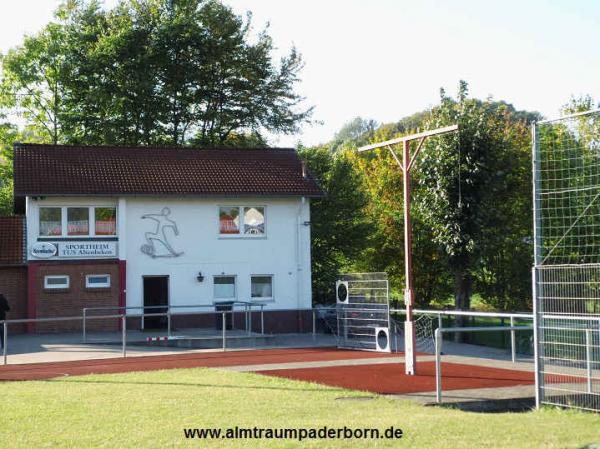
(151, 409)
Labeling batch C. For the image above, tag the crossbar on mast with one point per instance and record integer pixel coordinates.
(433, 132)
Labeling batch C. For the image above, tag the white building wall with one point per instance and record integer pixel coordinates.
(283, 253)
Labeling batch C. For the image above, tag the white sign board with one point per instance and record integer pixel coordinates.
(43, 250)
(87, 249)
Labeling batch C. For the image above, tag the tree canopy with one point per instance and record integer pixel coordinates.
(474, 193)
(472, 226)
(339, 228)
(152, 72)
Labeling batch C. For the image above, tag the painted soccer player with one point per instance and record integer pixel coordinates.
(162, 222)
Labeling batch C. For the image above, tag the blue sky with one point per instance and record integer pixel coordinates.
(385, 59)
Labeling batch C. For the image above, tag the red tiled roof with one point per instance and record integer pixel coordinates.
(98, 170)
(12, 240)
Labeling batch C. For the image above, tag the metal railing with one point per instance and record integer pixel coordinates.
(248, 306)
(247, 310)
(123, 319)
(5, 324)
(85, 317)
(438, 348)
(510, 315)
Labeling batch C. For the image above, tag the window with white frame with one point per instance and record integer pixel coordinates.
(97, 280)
(105, 220)
(229, 220)
(224, 287)
(261, 287)
(77, 221)
(50, 221)
(56, 282)
(248, 221)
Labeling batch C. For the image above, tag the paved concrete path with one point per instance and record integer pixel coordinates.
(471, 395)
(208, 359)
(45, 348)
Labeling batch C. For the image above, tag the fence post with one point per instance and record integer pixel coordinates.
(249, 319)
(513, 349)
(438, 366)
(244, 315)
(440, 321)
(588, 358)
(124, 334)
(337, 322)
(314, 324)
(83, 326)
(224, 328)
(262, 319)
(5, 339)
(169, 322)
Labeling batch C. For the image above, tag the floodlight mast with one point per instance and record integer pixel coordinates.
(410, 359)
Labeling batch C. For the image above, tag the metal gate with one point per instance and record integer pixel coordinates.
(566, 275)
(363, 311)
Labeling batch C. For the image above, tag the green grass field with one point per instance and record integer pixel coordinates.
(151, 409)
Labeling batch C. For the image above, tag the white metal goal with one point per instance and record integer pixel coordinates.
(363, 311)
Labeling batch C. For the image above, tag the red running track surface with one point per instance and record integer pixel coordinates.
(35, 371)
(389, 378)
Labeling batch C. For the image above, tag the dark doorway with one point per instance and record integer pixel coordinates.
(156, 293)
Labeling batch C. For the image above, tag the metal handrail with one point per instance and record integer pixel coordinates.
(523, 315)
(314, 311)
(62, 318)
(438, 348)
(173, 306)
(5, 324)
(510, 315)
(248, 305)
(123, 318)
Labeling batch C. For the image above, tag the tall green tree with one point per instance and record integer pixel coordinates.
(340, 230)
(354, 133)
(7, 134)
(153, 72)
(382, 183)
(467, 180)
(503, 278)
(32, 82)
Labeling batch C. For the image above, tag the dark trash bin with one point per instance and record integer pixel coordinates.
(224, 306)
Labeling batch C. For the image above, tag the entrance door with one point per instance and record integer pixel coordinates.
(156, 293)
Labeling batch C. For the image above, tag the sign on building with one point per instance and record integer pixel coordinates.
(87, 249)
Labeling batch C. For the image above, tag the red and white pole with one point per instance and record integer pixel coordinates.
(409, 296)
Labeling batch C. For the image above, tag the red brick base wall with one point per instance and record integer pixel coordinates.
(284, 321)
(71, 301)
(13, 285)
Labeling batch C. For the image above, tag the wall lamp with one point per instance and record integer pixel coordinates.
(200, 277)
